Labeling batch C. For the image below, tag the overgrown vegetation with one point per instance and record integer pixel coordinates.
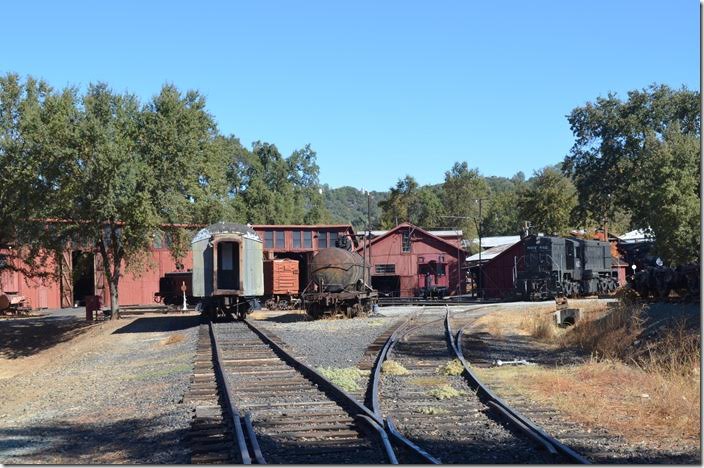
(391, 367)
(453, 367)
(347, 378)
(431, 410)
(445, 392)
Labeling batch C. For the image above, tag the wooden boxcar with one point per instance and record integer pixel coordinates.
(281, 278)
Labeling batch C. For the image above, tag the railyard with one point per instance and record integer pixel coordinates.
(137, 390)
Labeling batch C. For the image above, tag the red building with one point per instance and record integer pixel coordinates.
(301, 242)
(407, 259)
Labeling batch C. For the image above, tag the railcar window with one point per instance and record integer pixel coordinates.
(333, 239)
(268, 239)
(296, 239)
(322, 240)
(279, 239)
(308, 239)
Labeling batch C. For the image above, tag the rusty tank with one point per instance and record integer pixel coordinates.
(336, 270)
(337, 285)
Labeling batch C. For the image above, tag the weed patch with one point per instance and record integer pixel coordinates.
(346, 378)
(453, 367)
(444, 392)
(393, 368)
(430, 410)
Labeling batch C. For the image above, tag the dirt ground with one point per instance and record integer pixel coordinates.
(654, 416)
(100, 392)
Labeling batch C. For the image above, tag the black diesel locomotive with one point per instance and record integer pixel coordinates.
(557, 266)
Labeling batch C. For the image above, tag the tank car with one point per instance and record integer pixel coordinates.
(227, 269)
(557, 266)
(337, 285)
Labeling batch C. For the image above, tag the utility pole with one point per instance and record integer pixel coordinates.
(369, 233)
(479, 231)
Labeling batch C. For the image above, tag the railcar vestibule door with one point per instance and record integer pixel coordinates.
(228, 265)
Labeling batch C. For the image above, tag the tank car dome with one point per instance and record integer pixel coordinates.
(225, 228)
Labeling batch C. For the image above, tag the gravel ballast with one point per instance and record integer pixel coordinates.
(111, 396)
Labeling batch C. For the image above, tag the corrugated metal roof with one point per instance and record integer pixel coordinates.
(440, 233)
(495, 241)
(488, 254)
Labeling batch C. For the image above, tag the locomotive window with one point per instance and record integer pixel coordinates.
(406, 244)
(308, 239)
(322, 240)
(296, 239)
(279, 239)
(268, 239)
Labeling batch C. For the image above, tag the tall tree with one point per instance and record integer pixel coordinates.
(95, 167)
(547, 201)
(671, 205)
(463, 188)
(611, 139)
(395, 207)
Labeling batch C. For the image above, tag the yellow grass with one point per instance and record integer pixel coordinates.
(391, 367)
(453, 367)
(623, 399)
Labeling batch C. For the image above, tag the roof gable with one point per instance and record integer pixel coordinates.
(414, 229)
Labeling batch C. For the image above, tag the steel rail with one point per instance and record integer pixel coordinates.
(326, 385)
(229, 405)
(253, 440)
(492, 400)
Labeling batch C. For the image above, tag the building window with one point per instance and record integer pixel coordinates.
(308, 239)
(385, 268)
(296, 239)
(333, 239)
(406, 242)
(322, 240)
(268, 239)
(279, 239)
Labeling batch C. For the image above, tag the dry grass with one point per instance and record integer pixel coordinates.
(444, 392)
(173, 339)
(623, 399)
(430, 410)
(453, 367)
(429, 381)
(608, 336)
(347, 378)
(391, 367)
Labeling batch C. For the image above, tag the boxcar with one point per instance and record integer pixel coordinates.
(281, 280)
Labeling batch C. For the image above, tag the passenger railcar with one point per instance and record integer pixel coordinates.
(557, 266)
(227, 269)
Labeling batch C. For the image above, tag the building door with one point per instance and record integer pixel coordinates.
(388, 286)
(83, 273)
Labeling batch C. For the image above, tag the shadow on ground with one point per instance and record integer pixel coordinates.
(125, 441)
(160, 324)
(22, 338)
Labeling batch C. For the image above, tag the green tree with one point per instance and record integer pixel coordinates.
(611, 139)
(94, 168)
(673, 206)
(395, 207)
(547, 201)
(463, 187)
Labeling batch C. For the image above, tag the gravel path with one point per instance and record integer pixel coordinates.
(112, 396)
(330, 343)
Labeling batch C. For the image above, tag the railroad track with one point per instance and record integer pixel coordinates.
(451, 418)
(258, 403)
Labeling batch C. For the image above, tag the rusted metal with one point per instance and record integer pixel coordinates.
(281, 277)
(335, 270)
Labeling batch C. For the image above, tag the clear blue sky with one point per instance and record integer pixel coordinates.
(380, 89)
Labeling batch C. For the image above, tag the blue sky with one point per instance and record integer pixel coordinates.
(380, 89)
